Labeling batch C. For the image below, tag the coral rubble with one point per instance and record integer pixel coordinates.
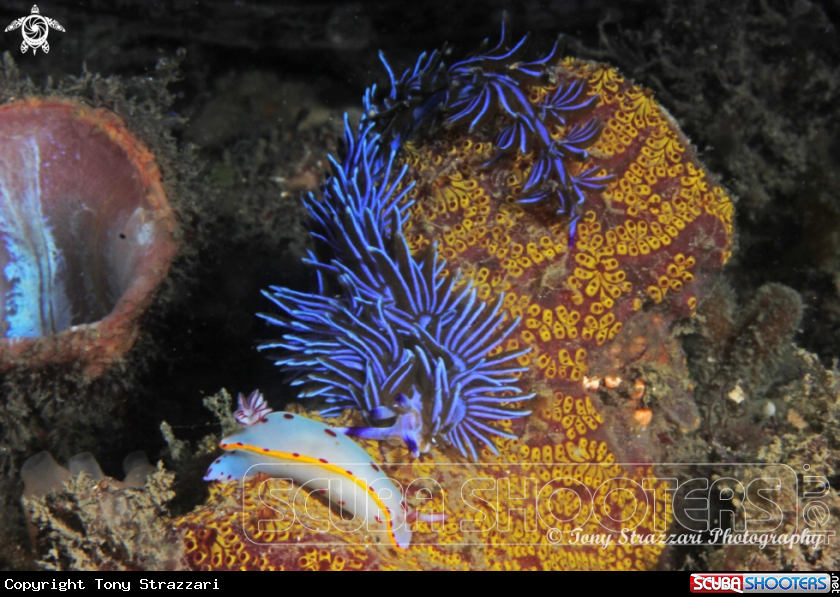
(85, 521)
(737, 354)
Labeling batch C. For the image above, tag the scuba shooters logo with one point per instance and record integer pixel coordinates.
(764, 583)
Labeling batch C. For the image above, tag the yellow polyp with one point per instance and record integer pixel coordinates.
(587, 261)
(545, 333)
(547, 316)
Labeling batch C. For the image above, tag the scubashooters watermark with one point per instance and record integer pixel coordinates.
(760, 505)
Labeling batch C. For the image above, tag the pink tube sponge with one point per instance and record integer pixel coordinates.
(87, 235)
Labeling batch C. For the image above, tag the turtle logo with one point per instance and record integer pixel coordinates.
(35, 29)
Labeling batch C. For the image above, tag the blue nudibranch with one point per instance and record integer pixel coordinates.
(391, 335)
(472, 91)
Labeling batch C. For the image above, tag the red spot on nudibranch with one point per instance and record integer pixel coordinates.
(322, 460)
(223, 445)
(349, 473)
(376, 468)
(295, 454)
(218, 461)
(238, 443)
(266, 450)
(330, 432)
(378, 519)
(288, 416)
(322, 491)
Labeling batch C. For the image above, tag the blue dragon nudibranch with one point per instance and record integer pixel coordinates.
(478, 88)
(388, 335)
(395, 338)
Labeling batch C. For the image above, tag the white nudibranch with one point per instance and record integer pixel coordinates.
(319, 458)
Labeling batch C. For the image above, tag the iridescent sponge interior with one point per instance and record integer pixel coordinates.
(86, 231)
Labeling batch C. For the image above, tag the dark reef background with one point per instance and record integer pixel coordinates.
(754, 83)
